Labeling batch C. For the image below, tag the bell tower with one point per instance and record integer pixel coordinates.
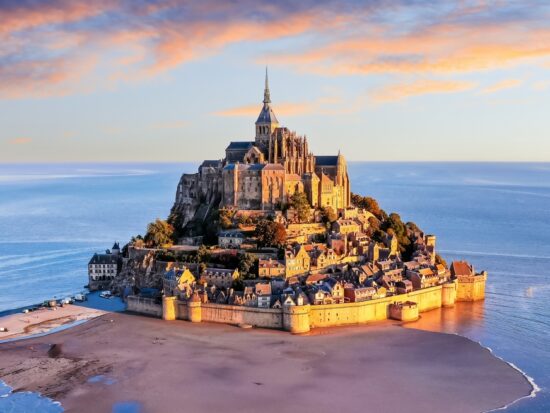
(267, 121)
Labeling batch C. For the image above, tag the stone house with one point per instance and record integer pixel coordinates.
(220, 277)
(103, 268)
(271, 268)
(297, 261)
(230, 239)
(357, 294)
(177, 281)
(345, 226)
(423, 278)
(263, 294)
(403, 287)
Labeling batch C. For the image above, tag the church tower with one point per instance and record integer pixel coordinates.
(267, 121)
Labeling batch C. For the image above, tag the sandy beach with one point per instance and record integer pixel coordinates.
(44, 319)
(149, 365)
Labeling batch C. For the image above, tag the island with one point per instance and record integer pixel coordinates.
(271, 236)
(268, 240)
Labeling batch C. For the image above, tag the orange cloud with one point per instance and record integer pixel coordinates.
(400, 91)
(135, 40)
(20, 141)
(22, 17)
(439, 49)
(502, 85)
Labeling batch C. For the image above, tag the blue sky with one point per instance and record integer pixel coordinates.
(176, 81)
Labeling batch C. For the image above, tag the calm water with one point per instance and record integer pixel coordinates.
(53, 217)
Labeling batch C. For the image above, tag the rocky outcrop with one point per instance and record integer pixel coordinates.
(140, 269)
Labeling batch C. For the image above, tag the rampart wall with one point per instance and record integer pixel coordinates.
(300, 319)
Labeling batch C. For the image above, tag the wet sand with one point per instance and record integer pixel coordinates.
(178, 366)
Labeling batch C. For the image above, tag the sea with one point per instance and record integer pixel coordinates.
(53, 217)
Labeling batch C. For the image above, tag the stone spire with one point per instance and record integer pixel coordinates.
(267, 121)
(267, 97)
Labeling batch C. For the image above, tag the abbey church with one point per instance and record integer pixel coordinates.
(264, 173)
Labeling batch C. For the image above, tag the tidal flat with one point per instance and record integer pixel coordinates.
(159, 366)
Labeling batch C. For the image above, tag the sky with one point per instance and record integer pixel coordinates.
(137, 80)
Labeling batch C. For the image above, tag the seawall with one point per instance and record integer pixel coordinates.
(301, 319)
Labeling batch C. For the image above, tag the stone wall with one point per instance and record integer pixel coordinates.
(300, 319)
(258, 317)
(471, 288)
(141, 305)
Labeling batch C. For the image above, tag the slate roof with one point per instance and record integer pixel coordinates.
(104, 259)
(242, 167)
(267, 115)
(210, 164)
(326, 160)
(239, 146)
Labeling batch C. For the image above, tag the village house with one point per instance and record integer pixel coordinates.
(423, 278)
(335, 290)
(345, 226)
(263, 294)
(220, 277)
(322, 257)
(271, 268)
(230, 239)
(178, 281)
(297, 261)
(403, 287)
(103, 268)
(357, 294)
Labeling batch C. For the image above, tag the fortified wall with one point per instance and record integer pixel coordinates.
(301, 319)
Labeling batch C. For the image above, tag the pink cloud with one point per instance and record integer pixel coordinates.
(502, 85)
(400, 91)
(20, 141)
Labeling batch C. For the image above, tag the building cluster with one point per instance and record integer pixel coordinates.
(349, 267)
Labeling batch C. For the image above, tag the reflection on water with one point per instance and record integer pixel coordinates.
(464, 319)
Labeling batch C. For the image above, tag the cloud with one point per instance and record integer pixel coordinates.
(20, 141)
(43, 41)
(502, 85)
(400, 91)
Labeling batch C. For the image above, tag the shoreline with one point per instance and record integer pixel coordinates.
(344, 347)
(534, 387)
(44, 320)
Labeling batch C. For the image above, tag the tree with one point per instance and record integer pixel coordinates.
(270, 234)
(328, 214)
(368, 203)
(247, 263)
(137, 241)
(301, 205)
(203, 255)
(226, 218)
(159, 233)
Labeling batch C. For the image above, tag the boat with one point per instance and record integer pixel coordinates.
(80, 297)
(105, 294)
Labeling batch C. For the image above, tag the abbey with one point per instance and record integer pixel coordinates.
(264, 173)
